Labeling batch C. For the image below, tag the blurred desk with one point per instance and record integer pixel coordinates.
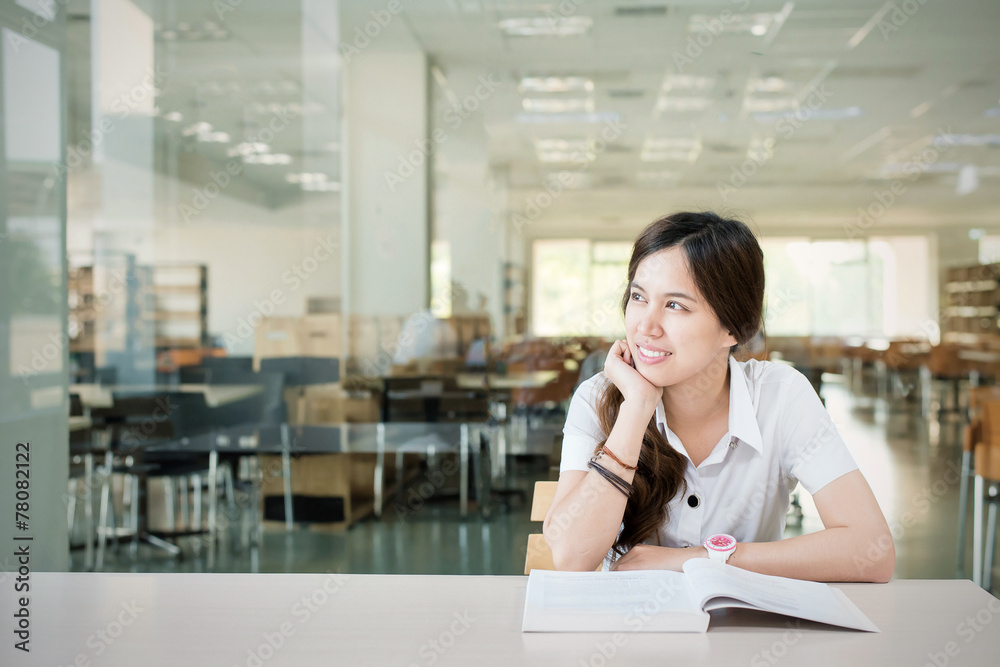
(280, 620)
(532, 380)
(216, 395)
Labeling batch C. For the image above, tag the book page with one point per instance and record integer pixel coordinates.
(651, 600)
(714, 582)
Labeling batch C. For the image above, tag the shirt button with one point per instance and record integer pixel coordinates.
(694, 501)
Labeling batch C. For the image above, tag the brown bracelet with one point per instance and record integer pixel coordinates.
(616, 459)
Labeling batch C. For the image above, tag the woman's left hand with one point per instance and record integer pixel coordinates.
(648, 557)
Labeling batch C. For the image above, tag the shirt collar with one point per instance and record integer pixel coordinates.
(742, 415)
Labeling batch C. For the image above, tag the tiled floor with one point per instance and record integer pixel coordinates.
(912, 466)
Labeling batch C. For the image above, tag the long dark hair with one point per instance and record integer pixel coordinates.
(727, 265)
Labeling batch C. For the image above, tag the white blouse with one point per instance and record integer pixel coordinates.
(779, 435)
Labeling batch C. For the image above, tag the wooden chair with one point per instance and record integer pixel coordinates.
(538, 556)
(987, 468)
(972, 436)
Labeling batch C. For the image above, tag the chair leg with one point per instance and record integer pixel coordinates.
(196, 506)
(71, 508)
(991, 536)
(134, 507)
(963, 510)
(977, 532)
(102, 524)
(182, 494)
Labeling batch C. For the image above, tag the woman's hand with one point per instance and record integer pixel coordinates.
(648, 557)
(634, 387)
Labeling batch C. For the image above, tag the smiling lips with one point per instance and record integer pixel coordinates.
(648, 356)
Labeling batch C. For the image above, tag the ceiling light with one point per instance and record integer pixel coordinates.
(670, 149)
(214, 137)
(555, 84)
(607, 117)
(249, 148)
(769, 104)
(767, 84)
(198, 128)
(968, 140)
(173, 116)
(268, 159)
(755, 24)
(558, 105)
(687, 82)
(324, 186)
(564, 26)
(306, 177)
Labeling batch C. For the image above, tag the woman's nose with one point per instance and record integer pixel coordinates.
(649, 324)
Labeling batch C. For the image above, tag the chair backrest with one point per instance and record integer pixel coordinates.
(538, 555)
(987, 452)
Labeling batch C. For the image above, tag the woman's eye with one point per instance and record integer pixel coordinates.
(673, 305)
(635, 296)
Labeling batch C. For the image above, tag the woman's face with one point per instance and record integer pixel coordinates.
(673, 334)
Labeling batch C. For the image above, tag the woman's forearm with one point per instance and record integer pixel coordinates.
(834, 554)
(582, 527)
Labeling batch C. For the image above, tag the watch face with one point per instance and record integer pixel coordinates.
(720, 542)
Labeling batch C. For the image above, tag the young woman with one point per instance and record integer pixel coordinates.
(676, 442)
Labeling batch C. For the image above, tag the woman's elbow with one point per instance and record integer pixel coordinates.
(877, 562)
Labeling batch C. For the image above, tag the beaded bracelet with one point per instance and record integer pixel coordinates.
(616, 459)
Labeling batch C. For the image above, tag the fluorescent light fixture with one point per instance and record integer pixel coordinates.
(214, 138)
(968, 140)
(687, 82)
(558, 105)
(968, 180)
(767, 84)
(173, 116)
(249, 148)
(670, 149)
(560, 157)
(269, 159)
(306, 177)
(755, 24)
(325, 186)
(810, 114)
(198, 128)
(555, 84)
(769, 104)
(863, 31)
(607, 117)
(976, 233)
(545, 26)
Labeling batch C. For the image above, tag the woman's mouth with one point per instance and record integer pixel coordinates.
(648, 356)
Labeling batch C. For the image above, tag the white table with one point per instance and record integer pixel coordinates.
(529, 380)
(226, 619)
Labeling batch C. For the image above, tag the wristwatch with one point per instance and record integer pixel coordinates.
(720, 547)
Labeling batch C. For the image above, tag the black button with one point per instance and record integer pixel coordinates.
(693, 501)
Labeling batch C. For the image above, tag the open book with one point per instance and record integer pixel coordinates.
(665, 601)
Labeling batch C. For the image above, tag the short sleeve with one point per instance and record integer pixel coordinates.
(813, 451)
(582, 431)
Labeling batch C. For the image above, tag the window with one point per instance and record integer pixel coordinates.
(578, 286)
(879, 287)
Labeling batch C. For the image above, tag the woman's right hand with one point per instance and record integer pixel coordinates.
(631, 383)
